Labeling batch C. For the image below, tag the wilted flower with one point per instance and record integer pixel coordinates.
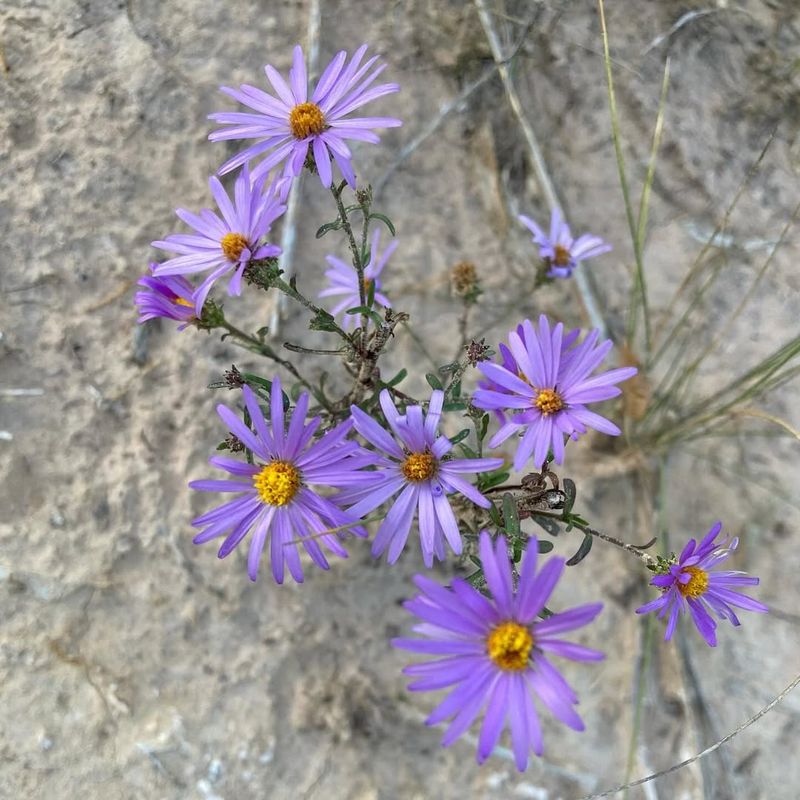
(344, 280)
(418, 470)
(690, 583)
(287, 125)
(464, 281)
(549, 391)
(494, 651)
(277, 500)
(172, 298)
(224, 244)
(559, 250)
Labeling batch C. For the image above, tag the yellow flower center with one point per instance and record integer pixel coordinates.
(696, 585)
(561, 257)
(509, 646)
(306, 119)
(419, 467)
(548, 401)
(232, 245)
(179, 301)
(367, 283)
(277, 483)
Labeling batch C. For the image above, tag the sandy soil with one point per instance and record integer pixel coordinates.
(135, 665)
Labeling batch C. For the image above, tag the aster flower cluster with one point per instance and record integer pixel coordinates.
(312, 471)
(296, 128)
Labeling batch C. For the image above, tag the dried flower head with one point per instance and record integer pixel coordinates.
(464, 281)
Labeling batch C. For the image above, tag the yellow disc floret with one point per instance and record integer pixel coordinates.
(548, 401)
(696, 585)
(306, 119)
(277, 483)
(419, 467)
(232, 245)
(179, 301)
(509, 646)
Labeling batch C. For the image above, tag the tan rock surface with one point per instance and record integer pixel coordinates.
(135, 665)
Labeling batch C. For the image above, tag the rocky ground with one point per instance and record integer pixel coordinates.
(135, 665)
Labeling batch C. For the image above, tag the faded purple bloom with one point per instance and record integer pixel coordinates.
(276, 498)
(549, 390)
(344, 280)
(691, 584)
(287, 125)
(172, 298)
(494, 651)
(418, 470)
(559, 249)
(224, 244)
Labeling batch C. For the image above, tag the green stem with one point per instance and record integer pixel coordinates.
(629, 548)
(263, 349)
(357, 263)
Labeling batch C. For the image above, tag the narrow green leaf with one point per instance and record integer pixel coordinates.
(328, 226)
(570, 491)
(544, 546)
(484, 427)
(582, 551)
(460, 436)
(548, 523)
(397, 378)
(385, 220)
(510, 514)
(433, 381)
(373, 315)
(488, 480)
(323, 321)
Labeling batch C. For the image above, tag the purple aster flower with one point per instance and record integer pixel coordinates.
(287, 125)
(494, 651)
(559, 249)
(224, 244)
(549, 392)
(690, 583)
(509, 363)
(344, 280)
(418, 470)
(172, 298)
(276, 499)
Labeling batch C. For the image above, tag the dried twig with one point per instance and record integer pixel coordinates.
(725, 739)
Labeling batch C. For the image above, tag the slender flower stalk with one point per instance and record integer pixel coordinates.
(228, 243)
(549, 392)
(276, 500)
(290, 127)
(691, 583)
(413, 466)
(561, 253)
(494, 651)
